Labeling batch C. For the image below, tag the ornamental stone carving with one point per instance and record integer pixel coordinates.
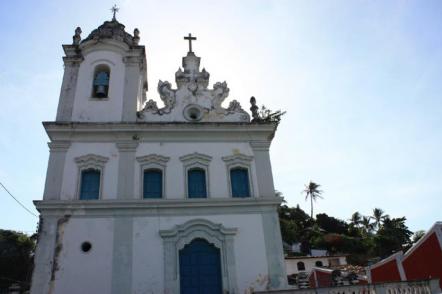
(153, 158)
(111, 30)
(91, 161)
(192, 100)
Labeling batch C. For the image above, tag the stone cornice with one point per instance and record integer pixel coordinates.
(146, 207)
(127, 146)
(154, 132)
(260, 145)
(59, 146)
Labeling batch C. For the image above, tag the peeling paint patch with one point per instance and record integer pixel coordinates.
(61, 223)
(261, 282)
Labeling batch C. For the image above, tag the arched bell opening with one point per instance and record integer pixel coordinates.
(100, 86)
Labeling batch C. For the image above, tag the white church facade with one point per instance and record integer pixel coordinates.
(147, 199)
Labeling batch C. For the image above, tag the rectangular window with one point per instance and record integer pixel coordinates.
(196, 182)
(90, 184)
(153, 184)
(239, 179)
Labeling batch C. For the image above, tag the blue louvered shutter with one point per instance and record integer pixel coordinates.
(90, 184)
(239, 178)
(196, 181)
(153, 184)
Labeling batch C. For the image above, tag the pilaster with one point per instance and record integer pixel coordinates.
(274, 251)
(263, 168)
(126, 169)
(44, 254)
(132, 87)
(122, 255)
(72, 62)
(54, 174)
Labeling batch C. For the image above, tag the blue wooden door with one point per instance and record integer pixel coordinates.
(200, 268)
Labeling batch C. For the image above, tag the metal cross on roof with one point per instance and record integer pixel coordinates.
(114, 10)
(190, 38)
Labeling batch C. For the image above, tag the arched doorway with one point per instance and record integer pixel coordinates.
(200, 268)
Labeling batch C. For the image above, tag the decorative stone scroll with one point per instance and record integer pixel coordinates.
(91, 161)
(192, 93)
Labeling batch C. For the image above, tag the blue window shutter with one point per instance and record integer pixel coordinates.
(153, 184)
(196, 182)
(239, 178)
(90, 184)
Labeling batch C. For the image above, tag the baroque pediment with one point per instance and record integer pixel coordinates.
(192, 100)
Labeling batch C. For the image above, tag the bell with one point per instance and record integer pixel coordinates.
(101, 92)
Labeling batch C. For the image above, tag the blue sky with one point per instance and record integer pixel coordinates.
(360, 81)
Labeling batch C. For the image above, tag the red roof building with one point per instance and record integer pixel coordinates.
(422, 261)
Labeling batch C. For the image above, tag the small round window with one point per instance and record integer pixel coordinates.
(86, 247)
(193, 112)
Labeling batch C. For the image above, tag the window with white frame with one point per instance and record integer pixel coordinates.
(238, 174)
(196, 169)
(152, 171)
(90, 171)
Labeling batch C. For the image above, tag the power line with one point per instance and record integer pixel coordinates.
(16, 200)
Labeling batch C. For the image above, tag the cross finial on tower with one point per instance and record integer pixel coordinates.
(114, 10)
(190, 38)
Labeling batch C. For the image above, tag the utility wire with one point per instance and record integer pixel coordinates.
(18, 201)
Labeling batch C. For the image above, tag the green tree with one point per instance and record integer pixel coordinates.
(418, 235)
(392, 236)
(367, 226)
(312, 191)
(378, 216)
(330, 224)
(293, 222)
(356, 219)
(16, 258)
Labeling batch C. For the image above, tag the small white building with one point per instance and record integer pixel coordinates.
(143, 198)
(297, 264)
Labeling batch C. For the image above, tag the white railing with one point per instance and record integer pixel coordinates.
(405, 287)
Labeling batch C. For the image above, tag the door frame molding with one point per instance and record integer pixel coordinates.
(216, 234)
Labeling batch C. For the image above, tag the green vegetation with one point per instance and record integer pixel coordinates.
(16, 258)
(362, 238)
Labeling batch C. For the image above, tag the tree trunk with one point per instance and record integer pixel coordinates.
(311, 206)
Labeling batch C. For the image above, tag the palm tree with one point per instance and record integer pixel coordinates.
(312, 191)
(365, 222)
(356, 218)
(378, 216)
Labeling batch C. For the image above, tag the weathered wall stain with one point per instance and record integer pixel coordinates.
(61, 224)
(261, 282)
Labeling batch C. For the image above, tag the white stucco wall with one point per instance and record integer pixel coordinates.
(80, 272)
(92, 272)
(175, 175)
(71, 173)
(218, 184)
(99, 110)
